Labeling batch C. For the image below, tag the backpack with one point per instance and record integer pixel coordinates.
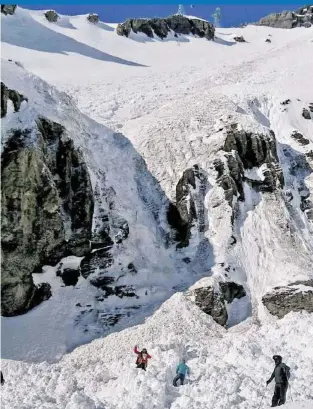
(287, 372)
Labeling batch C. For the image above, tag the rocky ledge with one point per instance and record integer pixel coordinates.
(289, 19)
(8, 9)
(295, 297)
(212, 299)
(162, 27)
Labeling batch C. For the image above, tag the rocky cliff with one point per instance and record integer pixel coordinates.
(69, 206)
(47, 206)
(289, 19)
(162, 27)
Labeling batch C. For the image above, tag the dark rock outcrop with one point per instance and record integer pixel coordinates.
(189, 206)
(244, 151)
(300, 138)
(8, 9)
(289, 19)
(268, 40)
(161, 27)
(93, 18)
(239, 39)
(52, 16)
(98, 260)
(47, 208)
(294, 297)
(69, 276)
(231, 290)
(212, 299)
(14, 96)
(306, 113)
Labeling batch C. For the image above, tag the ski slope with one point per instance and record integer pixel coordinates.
(169, 99)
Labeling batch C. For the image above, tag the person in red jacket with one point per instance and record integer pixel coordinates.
(142, 358)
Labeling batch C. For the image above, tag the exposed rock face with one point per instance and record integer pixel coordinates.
(69, 276)
(212, 299)
(306, 113)
(245, 151)
(161, 27)
(289, 19)
(189, 206)
(98, 260)
(14, 96)
(231, 290)
(240, 39)
(8, 9)
(300, 138)
(93, 18)
(47, 208)
(51, 16)
(294, 297)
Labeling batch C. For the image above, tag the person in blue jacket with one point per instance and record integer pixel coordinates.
(181, 371)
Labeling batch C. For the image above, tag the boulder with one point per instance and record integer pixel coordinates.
(231, 290)
(306, 113)
(8, 9)
(93, 18)
(161, 27)
(51, 16)
(294, 297)
(212, 299)
(69, 276)
(300, 138)
(239, 39)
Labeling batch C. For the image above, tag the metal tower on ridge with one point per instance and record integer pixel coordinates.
(181, 10)
(217, 16)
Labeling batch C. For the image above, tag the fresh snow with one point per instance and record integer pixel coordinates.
(169, 99)
(228, 368)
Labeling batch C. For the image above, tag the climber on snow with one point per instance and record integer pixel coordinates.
(2, 378)
(142, 358)
(281, 374)
(181, 371)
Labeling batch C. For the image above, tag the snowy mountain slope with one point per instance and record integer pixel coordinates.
(228, 368)
(234, 110)
(126, 191)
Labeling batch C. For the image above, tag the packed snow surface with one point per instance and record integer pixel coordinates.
(228, 368)
(169, 99)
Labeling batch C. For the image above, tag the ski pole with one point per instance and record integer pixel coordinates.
(290, 392)
(262, 399)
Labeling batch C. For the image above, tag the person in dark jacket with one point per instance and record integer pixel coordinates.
(181, 371)
(142, 358)
(281, 374)
(2, 378)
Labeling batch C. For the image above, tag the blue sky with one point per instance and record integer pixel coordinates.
(231, 14)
